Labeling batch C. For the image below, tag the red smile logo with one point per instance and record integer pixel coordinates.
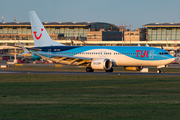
(36, 35)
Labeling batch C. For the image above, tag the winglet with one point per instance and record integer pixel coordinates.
(25, 50)
(147, 45)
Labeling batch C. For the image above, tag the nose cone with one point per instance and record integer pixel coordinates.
(171, 60)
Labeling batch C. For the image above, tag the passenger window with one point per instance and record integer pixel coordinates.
(163, 53)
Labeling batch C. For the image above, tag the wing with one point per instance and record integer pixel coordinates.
(64, 59)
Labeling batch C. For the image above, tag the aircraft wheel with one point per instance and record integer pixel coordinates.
(89, 69)
(158, 71)
(110, 70)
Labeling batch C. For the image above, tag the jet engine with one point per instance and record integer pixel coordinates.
(102, 64)
(134, 68)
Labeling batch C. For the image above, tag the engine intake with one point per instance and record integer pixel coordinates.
(101, 64)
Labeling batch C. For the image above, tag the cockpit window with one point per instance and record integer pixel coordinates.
(163, 53)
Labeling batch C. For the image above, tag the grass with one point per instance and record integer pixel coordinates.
(77, 97)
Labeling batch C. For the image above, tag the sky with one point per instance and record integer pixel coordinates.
(134, 12)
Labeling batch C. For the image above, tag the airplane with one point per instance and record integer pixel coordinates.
(94, 57)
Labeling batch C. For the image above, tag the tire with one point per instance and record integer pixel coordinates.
(158, 71)
(89, 69)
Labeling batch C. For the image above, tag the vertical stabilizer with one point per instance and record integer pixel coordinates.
(40, 35)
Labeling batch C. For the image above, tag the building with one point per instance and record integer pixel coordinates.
(9, 32)
(103, 35)
(166, 35)
(138, 35)
(163, 31)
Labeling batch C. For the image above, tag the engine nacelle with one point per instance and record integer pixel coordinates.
(134, 68)
(101, 64)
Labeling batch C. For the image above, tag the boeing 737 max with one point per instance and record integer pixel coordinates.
(94, 57)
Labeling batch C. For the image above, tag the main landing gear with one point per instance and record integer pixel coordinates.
(110, 70)
(89, 69)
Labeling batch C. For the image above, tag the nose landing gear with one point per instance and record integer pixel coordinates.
(158, 70)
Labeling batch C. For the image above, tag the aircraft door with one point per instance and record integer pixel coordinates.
(151, 55)
(49, 51)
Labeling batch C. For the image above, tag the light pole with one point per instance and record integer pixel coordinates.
(15, 60)
(122, 32)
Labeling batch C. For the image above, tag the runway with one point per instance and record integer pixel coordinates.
(90, 73)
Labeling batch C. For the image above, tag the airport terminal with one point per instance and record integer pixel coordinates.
(161, 35)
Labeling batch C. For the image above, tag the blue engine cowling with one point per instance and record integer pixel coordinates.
(35, 57)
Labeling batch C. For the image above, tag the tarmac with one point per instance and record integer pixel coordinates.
(90, 73)
(86, 73)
